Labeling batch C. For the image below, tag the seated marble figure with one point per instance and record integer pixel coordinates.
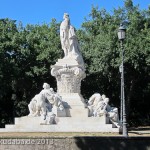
(46, 104)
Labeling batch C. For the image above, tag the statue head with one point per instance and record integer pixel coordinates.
(52, 90)
(46, 86)
(66, 15)
(66, 18)
(103, 96)
(106, 100)
(115, 110)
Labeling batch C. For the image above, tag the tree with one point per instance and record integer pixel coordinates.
(101, 50)
(27, 53)
(7, 30)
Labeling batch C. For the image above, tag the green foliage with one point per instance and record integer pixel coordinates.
(26, 55)
(101, 50)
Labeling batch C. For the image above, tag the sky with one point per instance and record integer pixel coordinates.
(42, 11)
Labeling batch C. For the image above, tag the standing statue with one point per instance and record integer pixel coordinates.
(69, 40)
(64, 34)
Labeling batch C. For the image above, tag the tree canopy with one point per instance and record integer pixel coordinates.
(26, 54)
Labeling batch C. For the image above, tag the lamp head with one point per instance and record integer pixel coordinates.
(121, 32)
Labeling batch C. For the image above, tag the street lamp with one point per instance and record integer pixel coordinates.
(121, 37)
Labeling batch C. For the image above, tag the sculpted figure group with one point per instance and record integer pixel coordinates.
(46, 104)
(99, 105)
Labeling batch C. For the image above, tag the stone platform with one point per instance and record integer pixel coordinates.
(63, 124)
(76, 120)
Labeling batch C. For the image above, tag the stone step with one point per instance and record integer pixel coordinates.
(9, 126)
(63, 124)
(27, 119)
(64, 120)
(76, 112)
(60, 128)
(85, 121)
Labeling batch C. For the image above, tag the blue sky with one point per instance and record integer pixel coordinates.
(42, 11)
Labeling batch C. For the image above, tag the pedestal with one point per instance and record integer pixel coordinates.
(69, 74)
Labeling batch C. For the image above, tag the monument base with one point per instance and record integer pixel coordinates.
(63, 124)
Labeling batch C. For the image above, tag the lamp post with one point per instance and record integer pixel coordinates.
(121, 37)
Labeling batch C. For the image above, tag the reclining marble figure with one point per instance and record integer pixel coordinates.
(99, 105)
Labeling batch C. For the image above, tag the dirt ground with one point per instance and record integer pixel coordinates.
(139, 131)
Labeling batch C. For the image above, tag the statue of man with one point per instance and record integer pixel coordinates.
(47, 92)
(69, 40)
(64, 34)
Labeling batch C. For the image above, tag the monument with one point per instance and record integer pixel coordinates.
(66, 110)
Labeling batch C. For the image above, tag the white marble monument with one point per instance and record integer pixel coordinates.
(66, 110)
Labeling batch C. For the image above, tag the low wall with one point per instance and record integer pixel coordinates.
(76, 143)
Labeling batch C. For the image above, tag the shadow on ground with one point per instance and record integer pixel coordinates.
(112, 143)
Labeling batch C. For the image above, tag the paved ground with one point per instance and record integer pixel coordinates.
(139, 131)
(35, 135)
